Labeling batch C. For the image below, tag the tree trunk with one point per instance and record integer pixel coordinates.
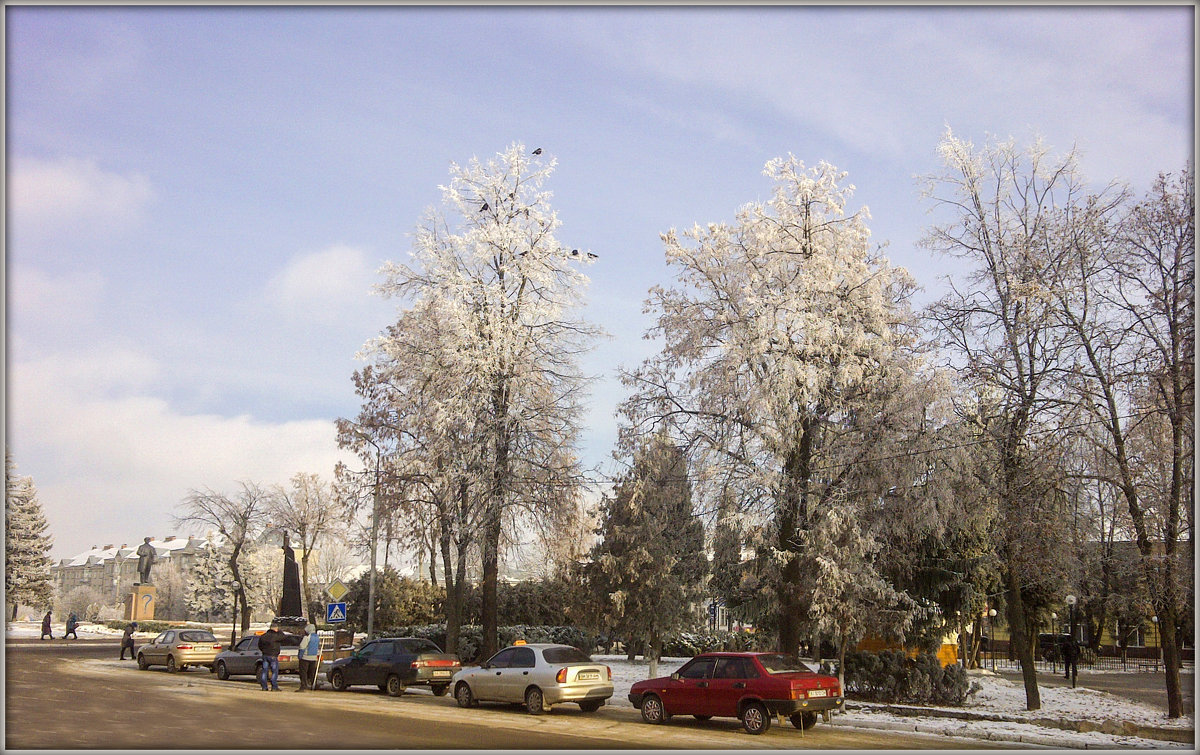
(489, 584)
(652, 652)
(842, 670)
(1021, 641)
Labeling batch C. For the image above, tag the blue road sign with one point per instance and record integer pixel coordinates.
(335, 612)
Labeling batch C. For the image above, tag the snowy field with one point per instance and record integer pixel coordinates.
(998, 696)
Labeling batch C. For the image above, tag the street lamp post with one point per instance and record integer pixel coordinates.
(374, 537)
(1157, 644)
(992, 636)
(1071, 600)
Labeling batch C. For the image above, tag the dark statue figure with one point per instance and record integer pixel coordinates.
(291, 604)
(145, 553)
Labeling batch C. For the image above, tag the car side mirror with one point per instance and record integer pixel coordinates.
(485, 665)
(675, 676)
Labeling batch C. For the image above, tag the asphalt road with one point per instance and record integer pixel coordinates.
(70, 695)
(1144, 687)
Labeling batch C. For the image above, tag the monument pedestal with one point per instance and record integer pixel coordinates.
(139, 605)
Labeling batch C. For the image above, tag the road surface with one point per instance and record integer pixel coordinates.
(69, 695)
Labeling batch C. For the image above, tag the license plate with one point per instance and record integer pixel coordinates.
(816, 693)
(441, 673)
(588, 676)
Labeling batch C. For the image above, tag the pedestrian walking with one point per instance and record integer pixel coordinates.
(46, 627)
(268, 644)
(310, 658)
(127, 641)
(1070, 654)
(72, 623)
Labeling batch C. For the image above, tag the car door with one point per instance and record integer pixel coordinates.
(488, 683)
(379, 663)
(728, 686)
(688, 692)
(157, 650)
(357, 670)
(512, 681)
(245, 656)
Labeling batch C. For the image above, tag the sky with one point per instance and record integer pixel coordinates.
(199, 199)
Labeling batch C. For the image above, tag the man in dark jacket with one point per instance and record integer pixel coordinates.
(1070, 654)
(127, 641)
(268, 644)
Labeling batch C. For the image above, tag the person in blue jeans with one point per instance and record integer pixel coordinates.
(268, 645)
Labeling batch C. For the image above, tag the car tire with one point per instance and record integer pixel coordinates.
(439, 689)
(171, 667)
(338, 680)
(534, 700)
(395, 687)
(653, 711)
(143, 664)
(222, 671)
(804, 720)
(755, 718)
(464, 697)
(590, 706)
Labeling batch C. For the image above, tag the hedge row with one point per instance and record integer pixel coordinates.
(893, 677)
(154, 626)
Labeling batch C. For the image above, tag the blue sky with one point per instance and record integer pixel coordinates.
(199, 198)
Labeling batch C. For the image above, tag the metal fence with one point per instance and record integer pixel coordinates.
(1103, 663)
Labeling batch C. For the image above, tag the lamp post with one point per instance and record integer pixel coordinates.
(992, 636)
(1071, 599)
(374, 537)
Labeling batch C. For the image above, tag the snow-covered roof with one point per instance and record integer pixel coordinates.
(163, 548)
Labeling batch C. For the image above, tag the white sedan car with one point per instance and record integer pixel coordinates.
(538, 676)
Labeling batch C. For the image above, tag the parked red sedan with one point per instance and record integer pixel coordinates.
(751, 687)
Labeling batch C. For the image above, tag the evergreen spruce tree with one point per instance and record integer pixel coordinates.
(649, 568)
(210, 585)
(26, 543)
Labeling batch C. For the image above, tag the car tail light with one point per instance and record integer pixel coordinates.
(561, 676)
(183, 647)
(797, 694)
(216, 647)
(609, 670)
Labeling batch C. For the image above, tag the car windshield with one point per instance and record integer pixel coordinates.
(565, 655)
(195, 636)
(779, 663)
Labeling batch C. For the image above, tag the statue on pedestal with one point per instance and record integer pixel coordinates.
(290, 603)
(145, 553)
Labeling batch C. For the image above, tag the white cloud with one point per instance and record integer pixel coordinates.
(44, 299)
(68, 193)
(112, 461)
(322, 285)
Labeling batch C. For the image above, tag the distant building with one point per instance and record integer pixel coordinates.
(112, 570)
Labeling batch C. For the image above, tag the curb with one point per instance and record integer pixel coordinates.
(1109, 726)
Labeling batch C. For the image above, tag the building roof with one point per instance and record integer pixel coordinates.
(163, 548)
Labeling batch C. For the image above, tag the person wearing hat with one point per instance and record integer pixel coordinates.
(268, 644)
(127, 641)
(310, 656)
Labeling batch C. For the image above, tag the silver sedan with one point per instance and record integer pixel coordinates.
(538, 676)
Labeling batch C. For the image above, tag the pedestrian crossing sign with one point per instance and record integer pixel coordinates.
(335, 612)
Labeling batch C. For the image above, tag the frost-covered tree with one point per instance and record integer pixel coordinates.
(500, 290)
(1008, 213)
(26, 541)
(308, 509)
(783, 345)
(210, 585)
(238, 519)
(649, 567)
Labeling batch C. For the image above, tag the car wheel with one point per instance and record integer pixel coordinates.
(755, 718)
(143, 664)
(462, 694)
(222, 671)
(395, 687)
(590, 706)
(804, 720)
(653, 711)
(439, 689)
(171, 667)
(533, 701)
(338, 680)
(701, 718)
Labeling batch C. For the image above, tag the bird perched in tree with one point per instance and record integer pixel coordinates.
(485, 207)
(537, 151)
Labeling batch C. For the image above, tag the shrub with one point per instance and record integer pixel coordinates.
(155, 626)
(893, 677)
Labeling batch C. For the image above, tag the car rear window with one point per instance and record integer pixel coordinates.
(779, 663)
(565, 655)
(195, 636)
(418, 646)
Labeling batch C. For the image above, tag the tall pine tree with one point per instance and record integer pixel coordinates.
(26, 543)
(650, 565)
